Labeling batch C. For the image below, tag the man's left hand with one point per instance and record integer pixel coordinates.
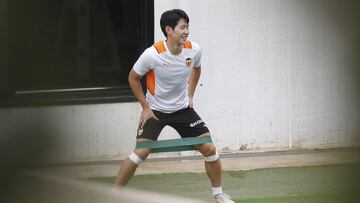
(191, 102)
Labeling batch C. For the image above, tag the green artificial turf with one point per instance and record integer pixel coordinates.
(335, 183)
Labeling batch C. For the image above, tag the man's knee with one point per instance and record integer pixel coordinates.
(208, 149)
(135, 159)
(139, 155)
(209, 152)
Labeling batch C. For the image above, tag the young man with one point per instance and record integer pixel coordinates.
(172, 69)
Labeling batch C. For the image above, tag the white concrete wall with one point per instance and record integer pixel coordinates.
(78, 133)
(276, 74)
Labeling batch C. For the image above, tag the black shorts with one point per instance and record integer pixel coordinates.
(185, 121)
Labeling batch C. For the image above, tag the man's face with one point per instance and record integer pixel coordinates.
(180, 32)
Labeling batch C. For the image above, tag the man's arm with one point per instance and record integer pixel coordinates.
(193, 81)
(134, 82)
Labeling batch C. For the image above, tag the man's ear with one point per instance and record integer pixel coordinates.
(168, 29)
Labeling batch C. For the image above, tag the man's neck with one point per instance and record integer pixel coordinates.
(173, 47)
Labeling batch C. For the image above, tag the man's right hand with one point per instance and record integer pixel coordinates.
(146, 114)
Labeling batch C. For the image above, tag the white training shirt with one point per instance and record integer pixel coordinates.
(168, 75)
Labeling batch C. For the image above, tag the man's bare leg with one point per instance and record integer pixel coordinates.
(213, 169)
(128, 167)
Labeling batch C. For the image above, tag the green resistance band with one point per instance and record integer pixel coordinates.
(174, 145)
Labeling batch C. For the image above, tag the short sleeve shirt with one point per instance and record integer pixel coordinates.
(167, 75)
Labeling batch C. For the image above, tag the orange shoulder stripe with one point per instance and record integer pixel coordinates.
(187, 45)
(150, 82)
(159, 46)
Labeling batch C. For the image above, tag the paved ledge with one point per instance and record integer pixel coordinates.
(230, 161)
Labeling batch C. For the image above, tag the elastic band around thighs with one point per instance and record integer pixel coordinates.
(212, 158)
(135, 158)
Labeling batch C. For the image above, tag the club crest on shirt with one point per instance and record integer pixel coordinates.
(140, 131)
(188, 62)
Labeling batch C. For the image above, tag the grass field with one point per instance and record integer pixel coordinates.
(316, 184)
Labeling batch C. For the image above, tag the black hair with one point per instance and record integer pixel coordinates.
(171, 18)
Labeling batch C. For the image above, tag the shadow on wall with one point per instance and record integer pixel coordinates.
(344, 19)
(341, 19)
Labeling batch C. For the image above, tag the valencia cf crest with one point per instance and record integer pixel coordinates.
(140, 131)
(188, 62)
